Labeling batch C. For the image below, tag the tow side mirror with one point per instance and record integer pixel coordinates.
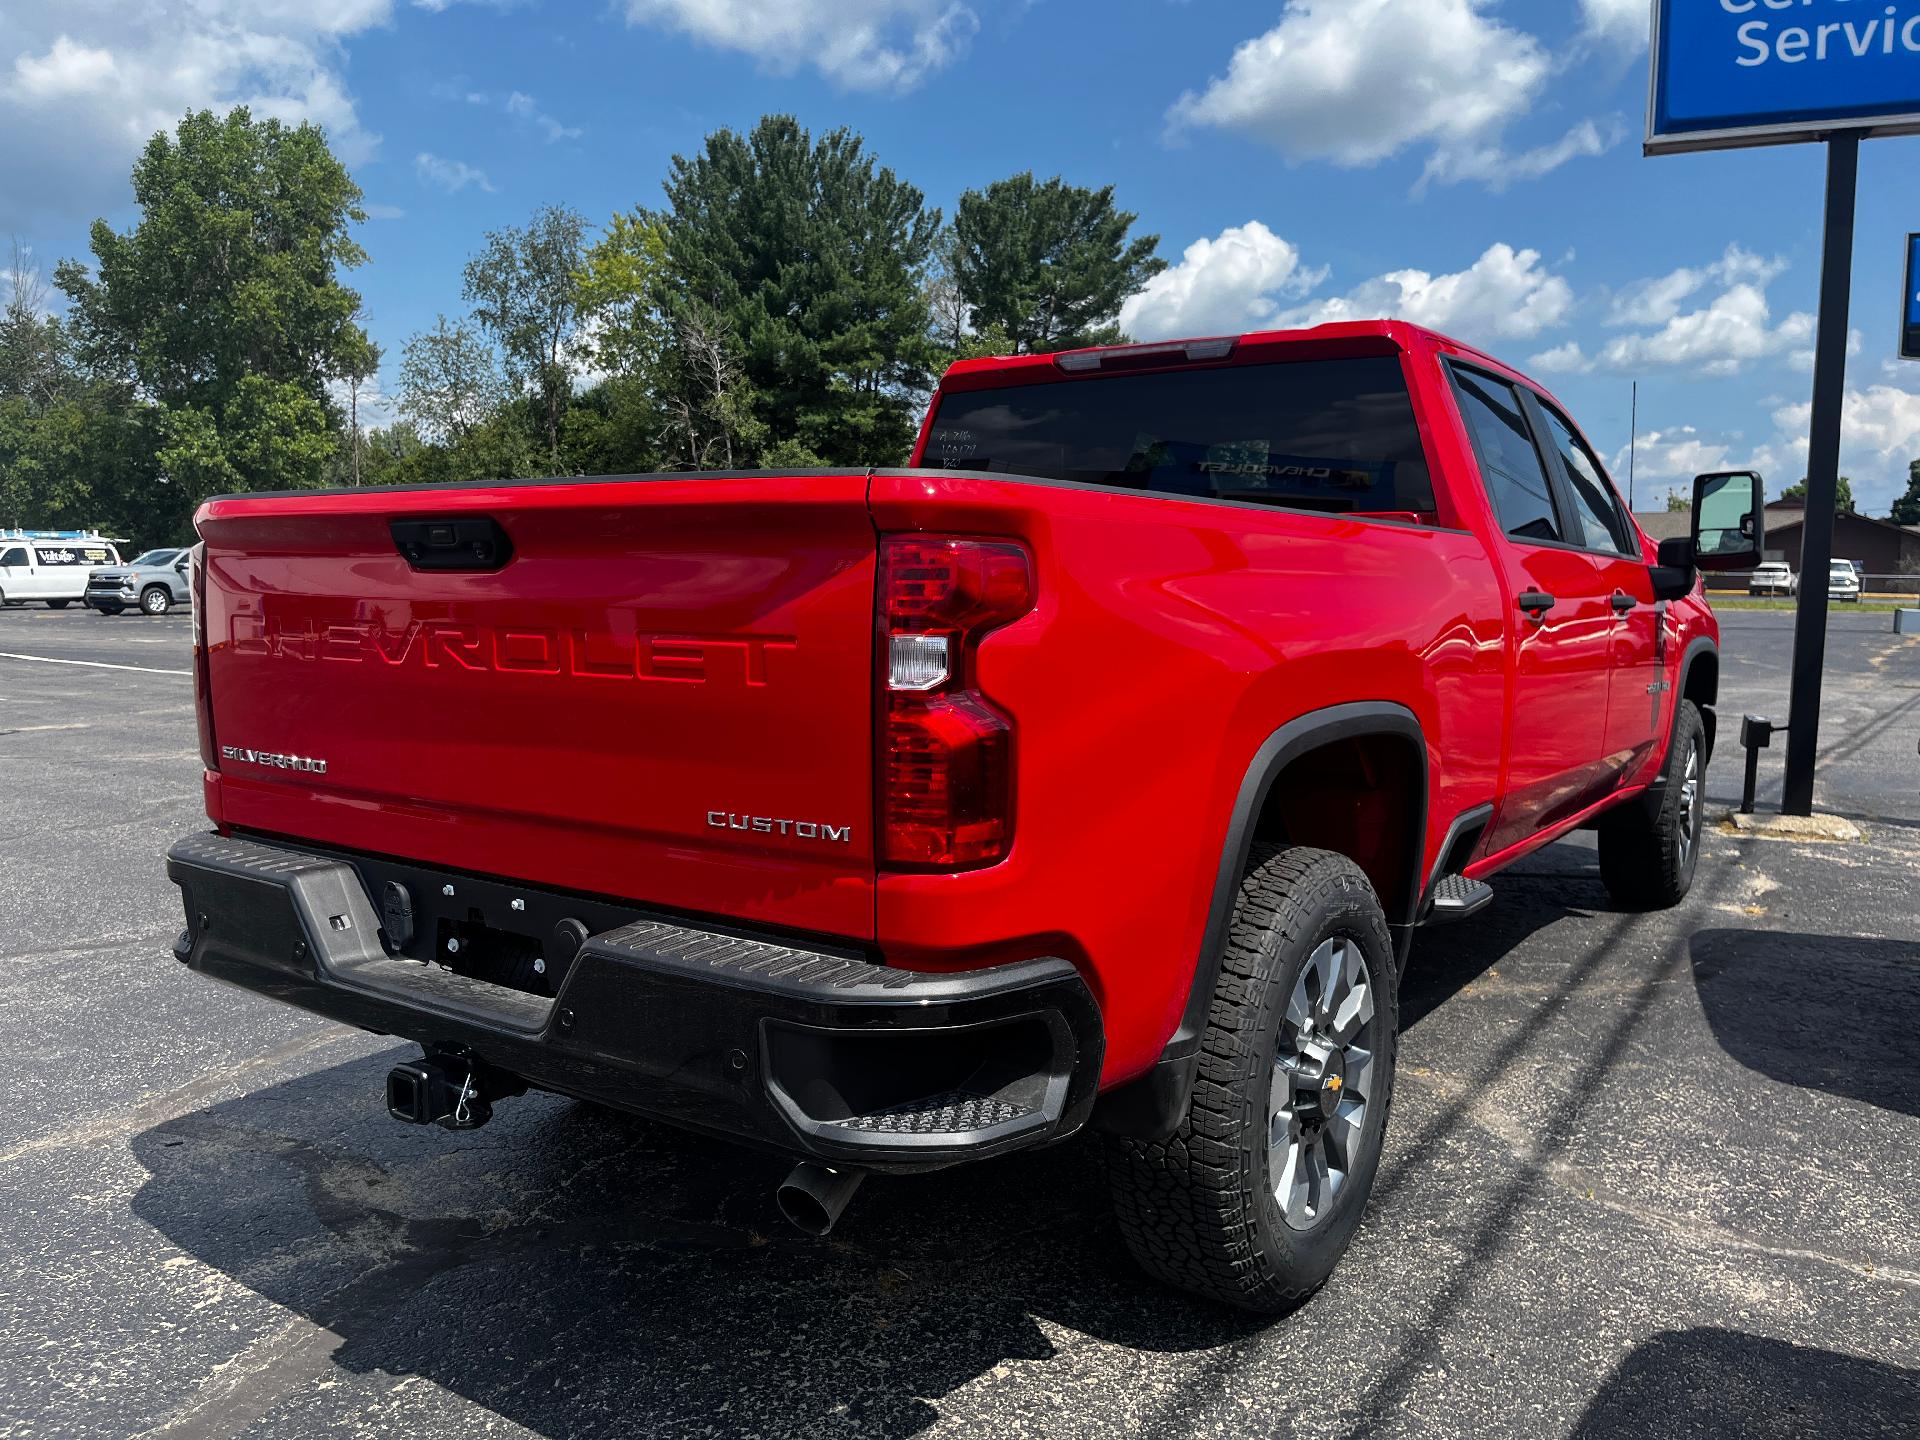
(1729, 520)
(1729, 532)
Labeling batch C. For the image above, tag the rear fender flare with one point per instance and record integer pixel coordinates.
(1150, 1107)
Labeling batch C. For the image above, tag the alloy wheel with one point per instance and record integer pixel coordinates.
(1689, 805)
(1322, 1082)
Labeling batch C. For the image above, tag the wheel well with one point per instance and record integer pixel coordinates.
(1363, 796)
(1702, 686)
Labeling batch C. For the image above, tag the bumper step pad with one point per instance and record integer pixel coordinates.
(950, 1114)
(774, 1041)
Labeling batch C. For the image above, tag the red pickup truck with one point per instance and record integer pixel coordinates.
(1097, 767)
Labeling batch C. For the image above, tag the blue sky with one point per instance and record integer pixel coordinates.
(1471, 165)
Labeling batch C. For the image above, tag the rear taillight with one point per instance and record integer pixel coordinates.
(202, 695)
(946, 767)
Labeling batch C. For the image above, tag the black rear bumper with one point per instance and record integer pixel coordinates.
(809, 1052)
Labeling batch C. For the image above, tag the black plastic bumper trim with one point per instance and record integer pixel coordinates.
(662, 1018)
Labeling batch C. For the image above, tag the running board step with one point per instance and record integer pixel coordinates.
(1456, 897)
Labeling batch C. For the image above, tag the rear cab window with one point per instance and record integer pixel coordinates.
(1336, 435)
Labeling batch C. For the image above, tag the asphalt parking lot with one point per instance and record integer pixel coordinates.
(1647, 1175)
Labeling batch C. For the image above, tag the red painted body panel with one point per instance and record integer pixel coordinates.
(655, 651)
(1169, 639)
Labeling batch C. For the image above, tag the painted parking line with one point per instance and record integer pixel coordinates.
(92, 664)
(42, 729)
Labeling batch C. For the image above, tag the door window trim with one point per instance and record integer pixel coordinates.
(1548, 411)
(1549, 465)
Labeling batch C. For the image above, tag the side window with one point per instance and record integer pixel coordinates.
(16, 556)
(1509, 463)
(1596, 507)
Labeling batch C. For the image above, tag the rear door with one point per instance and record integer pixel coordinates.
(664, 693)
(1562, 623)
(1636, 697)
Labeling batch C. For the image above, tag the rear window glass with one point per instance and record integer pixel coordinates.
(1334, 435)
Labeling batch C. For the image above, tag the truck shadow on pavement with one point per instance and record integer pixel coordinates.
(579, 1272)
(1721, 1382)
(1834, 1013)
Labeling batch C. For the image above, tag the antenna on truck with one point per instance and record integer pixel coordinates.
(1633, 439)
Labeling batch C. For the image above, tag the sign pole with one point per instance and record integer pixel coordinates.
(1823, 472)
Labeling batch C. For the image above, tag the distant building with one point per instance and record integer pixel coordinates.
(1883, 548)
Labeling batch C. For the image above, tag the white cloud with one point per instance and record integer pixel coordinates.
(1879, 434)
(1506, 294)
(85, 83)
(858, 44)
(1722, 336)
(451, 176)
(1658, 300)
(1496, 168)
(1675, 454)
(1248, 278)
(378, 409)
(1358, 81)
(522, 107)
(1221, 286)
(1618, 22)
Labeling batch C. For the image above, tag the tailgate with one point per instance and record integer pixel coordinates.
(664, 695)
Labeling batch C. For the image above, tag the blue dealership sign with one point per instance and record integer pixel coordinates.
(1910, 304)
(1765, 72)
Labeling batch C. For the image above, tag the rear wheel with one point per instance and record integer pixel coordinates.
(108, 609)
(1254, 1198)
(156, 600)
(58, 604)
(1647, 859)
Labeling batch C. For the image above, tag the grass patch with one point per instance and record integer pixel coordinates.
(1767, 602)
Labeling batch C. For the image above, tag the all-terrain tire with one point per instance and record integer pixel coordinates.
(1647, 858)
(1199, 1211)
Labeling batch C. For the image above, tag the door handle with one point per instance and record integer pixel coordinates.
(1623, 602)
(1535, 602)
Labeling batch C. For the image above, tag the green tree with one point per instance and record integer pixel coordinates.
(802, 263)
(525, 289)
(1049, 263)
(224, 304)
(621, 294)
(35, 355)
(1842, 498)
(1906, 510)
(449, 382)
(359, 363)
(1678, 504)
(951, 328)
